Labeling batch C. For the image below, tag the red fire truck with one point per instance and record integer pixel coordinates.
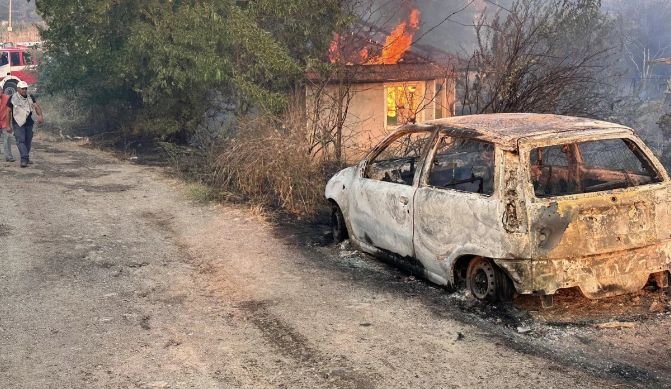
(17, 63)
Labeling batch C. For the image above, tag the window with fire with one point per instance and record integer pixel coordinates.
(440, 101)
(403, 104)
(592, 166)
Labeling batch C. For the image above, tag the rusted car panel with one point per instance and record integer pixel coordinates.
(593, 225)
(597, 276)
(451, 224)
(545, 225)
(507, 129)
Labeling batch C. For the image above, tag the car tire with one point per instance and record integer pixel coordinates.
(9, 88)
(338, 225)
(486, 282)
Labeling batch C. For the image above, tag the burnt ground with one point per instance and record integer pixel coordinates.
(617, 337)
(112, 276)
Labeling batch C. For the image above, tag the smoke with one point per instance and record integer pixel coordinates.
(643, 29)
(446, 24)
(23, 12)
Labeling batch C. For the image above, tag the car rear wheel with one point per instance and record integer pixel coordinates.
(338, 226)
(487, 282)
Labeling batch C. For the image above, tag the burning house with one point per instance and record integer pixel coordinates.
(378, 81)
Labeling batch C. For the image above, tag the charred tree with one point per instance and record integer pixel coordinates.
(527, 60)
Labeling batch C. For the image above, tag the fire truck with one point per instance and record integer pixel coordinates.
(17, 63)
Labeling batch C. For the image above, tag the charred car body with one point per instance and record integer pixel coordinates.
(513, 202)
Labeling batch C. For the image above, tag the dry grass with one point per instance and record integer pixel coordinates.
(258, 212)
(202, 193)
(271, 165)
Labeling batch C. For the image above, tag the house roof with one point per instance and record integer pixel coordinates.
(354, 50)
(508, 128)
(372, 36)
(400, 72)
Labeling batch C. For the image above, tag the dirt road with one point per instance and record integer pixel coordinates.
(111, 277)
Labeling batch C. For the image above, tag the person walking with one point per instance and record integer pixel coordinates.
(21, 111)
(5, 128)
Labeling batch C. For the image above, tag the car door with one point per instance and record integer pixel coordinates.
(381, 213)
(456, 208)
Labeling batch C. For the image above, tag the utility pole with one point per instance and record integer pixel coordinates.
(9, 28)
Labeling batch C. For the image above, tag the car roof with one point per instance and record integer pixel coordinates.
(507, 129)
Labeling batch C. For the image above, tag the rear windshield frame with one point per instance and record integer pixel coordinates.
(655, 175)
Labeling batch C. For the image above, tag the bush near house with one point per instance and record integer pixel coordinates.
(271, 164)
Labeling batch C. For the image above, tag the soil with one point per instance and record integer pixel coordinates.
(112, 277)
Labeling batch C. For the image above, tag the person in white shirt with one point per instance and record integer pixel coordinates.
(21, 111)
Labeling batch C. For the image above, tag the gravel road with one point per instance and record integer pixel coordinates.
(112, 276)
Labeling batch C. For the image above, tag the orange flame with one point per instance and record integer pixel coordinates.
(363, 55)
(395, 45)
(399, 41)
(334, 49)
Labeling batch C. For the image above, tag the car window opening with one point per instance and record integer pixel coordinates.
(591, 166)
(466, 165)
(397, 163)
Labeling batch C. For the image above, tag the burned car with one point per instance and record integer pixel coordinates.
(507, 203)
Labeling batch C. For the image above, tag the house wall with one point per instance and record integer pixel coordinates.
(366, 120)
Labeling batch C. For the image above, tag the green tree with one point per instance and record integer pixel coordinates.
(305, 26)
(180, 54)
(152, 64)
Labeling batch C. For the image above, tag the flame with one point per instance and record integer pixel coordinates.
(363, 54)
(334, 49)
(399, 41)
(395, 45)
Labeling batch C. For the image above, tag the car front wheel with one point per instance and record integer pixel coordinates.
(338, 226)
(487, 282)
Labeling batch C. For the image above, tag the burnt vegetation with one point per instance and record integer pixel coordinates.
(527, 60)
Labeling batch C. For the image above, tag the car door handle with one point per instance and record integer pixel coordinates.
(403, 200)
